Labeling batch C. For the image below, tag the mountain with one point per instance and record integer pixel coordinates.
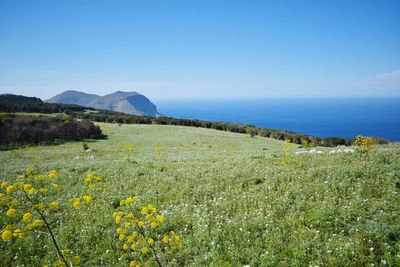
(73, 97)
(126, 102)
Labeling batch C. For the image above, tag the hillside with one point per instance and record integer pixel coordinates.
(234, 200)
(125, 102)
(73, 97)
(19, 103)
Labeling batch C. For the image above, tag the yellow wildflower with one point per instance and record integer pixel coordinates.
(75, 202)
(43, 190)
(134, 264)
(54, 205)
(145, 250)
(27, 187)
(122, 202)
(53, 174)
(118, 219)
(19, 185)
(21, 176)
(165, 239)
(130, 200)
(32, 191)
(140, 223)
(40, 177)
(6, 235)
(150, 241)
(151, 208)
(3, 184)
(30, 226)
(18, 233)
(130, 215)
(10, 189)
(76, 260)
(160, 218)
(144, 210)
(177, 239)
(125, 247)
(11, 212)
(59, 263)
(87, 198)
(153, 225)
(38, 223)
(133, 246)
(39, 206)
(27, 217)
(56, 186)
(131, 238)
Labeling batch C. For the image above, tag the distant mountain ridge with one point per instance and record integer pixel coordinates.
(126, 102)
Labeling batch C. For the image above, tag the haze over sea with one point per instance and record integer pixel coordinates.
(322, 117)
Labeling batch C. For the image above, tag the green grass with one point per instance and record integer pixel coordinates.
(230, 197)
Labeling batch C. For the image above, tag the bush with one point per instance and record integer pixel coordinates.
(33, 130)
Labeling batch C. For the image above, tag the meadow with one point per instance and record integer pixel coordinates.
(234, 200)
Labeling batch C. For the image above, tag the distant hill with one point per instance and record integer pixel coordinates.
(73, 97)
(18, 99)
(19, 103)
(126, 102)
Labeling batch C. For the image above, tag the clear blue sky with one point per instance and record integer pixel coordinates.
(201, 49)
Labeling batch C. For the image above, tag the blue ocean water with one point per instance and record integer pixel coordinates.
(379, 117)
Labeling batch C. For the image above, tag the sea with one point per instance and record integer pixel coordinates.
(321, 117)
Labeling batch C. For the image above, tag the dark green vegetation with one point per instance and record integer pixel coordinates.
(24, 104)
(16, 130)
(232, 199)
(18, 103)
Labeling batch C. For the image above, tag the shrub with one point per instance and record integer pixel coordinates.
(365, 144)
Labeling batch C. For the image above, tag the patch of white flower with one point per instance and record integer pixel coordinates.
(339, 149)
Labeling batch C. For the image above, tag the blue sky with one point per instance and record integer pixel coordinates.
(201, 49)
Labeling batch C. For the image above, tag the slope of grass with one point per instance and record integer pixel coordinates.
(232, 199)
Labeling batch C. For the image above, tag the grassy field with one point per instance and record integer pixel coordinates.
(234, 200)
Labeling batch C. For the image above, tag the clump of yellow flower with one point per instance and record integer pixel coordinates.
(75, 202)
(365, 144)
(27, 203)
(159, 150)
(54, 206)
(129, 149)
(91, 179)
(11, 212)
(27, 217)
(53, 174)
(90, 184)
(11, 231)
(6, 235)
(134, 264)
(87, 198)
(140, 232)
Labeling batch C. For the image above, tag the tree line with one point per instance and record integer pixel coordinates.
(17, 103)
(16, 130)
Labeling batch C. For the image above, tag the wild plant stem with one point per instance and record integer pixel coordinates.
(50, 232)
(152, 248)
(53, 239)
